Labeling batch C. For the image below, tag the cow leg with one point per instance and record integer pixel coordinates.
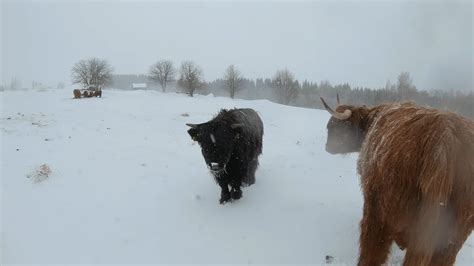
(236, 192)
(225, 194)
(436, 237)
(448, 255)
(375, 240)
(239, 171)
(453, 241)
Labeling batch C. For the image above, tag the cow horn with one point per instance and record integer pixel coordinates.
(238, 125)
(192, 125)
(342, 116)
(327, 106)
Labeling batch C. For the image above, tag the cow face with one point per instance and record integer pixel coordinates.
(217, 141)
(344, 128)
(344, 136)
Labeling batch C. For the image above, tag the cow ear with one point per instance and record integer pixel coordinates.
(194, 133)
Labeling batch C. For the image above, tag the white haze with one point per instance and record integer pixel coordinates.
(362, 43)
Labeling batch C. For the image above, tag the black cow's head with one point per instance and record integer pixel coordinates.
(345, 132)
(217, 140)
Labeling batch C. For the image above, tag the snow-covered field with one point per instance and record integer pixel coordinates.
(128, 185)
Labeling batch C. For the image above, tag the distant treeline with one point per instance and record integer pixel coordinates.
(308, 93)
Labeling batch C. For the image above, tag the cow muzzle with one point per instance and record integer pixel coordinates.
(333, 148)
(215, 166)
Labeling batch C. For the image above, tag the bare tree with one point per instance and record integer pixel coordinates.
(80, 73)
(286, 86)
(233, 80)
(405, 87)
(162, 72)
(190, 77)
(92, 72)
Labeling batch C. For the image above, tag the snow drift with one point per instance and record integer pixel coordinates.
(128, 185)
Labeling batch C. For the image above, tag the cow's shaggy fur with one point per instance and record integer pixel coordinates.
(97, 93)
(77, 93)
(231, 144)
(92, 93)
(417, 176)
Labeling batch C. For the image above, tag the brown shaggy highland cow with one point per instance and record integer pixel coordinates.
(417, 176)
(77, 93)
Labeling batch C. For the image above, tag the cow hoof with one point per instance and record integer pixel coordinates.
(224, 201)
(224, 198)
(236, 194)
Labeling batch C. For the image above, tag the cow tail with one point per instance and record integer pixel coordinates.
(436, 184)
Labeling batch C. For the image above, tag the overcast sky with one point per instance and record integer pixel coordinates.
(362, 43)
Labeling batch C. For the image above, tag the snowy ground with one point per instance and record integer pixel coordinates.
(128, 185)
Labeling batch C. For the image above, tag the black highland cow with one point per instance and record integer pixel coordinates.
(231, 143)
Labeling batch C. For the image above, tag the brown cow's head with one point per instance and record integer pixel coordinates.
(345, 128)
